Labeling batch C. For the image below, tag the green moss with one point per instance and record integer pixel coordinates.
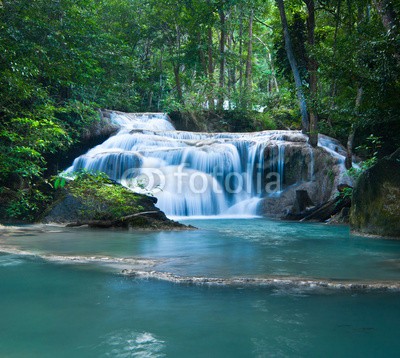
(102, 199)
(376, 199)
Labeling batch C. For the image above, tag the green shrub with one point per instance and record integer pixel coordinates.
(27, 205)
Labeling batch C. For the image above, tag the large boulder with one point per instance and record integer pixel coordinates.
(95, 201)
(318, 171)
(376, 199)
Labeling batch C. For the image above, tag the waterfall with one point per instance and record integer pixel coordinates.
(192, 174)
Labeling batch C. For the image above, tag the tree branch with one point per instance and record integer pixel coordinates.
(263, 23)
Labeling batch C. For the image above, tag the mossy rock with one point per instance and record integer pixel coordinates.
(96, 201)
(376, 199)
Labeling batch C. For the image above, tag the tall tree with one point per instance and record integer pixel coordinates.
(294, 67)
(222, 60)
(390, 21)
(249, 60)
(312, 73)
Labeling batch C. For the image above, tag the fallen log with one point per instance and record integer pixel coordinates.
(327, 210)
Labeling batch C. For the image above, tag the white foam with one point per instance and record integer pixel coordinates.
(126, 343)
(280, 282)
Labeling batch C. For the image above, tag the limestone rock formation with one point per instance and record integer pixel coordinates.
(318, 171)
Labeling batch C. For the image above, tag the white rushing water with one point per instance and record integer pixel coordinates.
(194, 174)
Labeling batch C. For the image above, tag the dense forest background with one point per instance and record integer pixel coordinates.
(221, 60)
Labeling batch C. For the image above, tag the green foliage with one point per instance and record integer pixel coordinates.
(165, 55)
(101, 198)
(298, 34)
(282, 110)
(347, 192)
(23, 143)
(27, 205)
(246, 121)
(59, 182)
(345, 195)
(224, 121)
(370, 151)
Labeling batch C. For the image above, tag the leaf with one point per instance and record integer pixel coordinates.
(57, 183)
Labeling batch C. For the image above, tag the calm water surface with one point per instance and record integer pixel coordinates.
(54, 309)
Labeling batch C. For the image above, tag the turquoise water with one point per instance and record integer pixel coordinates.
(53, 306)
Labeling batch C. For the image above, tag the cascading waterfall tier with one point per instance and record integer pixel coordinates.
(194, 174)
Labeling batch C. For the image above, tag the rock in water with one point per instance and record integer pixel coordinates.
(96, 201)
(376, 199)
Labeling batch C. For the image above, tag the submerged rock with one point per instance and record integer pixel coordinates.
(376, 199)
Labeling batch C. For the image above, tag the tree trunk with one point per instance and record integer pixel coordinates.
(178, 83)
(349, 150)
(337, 24)
(350, 140)
(177, 66)
(387, 14)
(210, 54)
(328, 209)
(294, 67)
(249, 55)
(210, 68)
(241, 55)
(201, 53)
(272, 83)
(232, 68)
(312, 70)
(222, 19)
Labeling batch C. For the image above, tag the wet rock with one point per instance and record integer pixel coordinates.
(376, 199)
(138, 212)
(65, 209)
(341, 218)
(302, 202)
(318, 171)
